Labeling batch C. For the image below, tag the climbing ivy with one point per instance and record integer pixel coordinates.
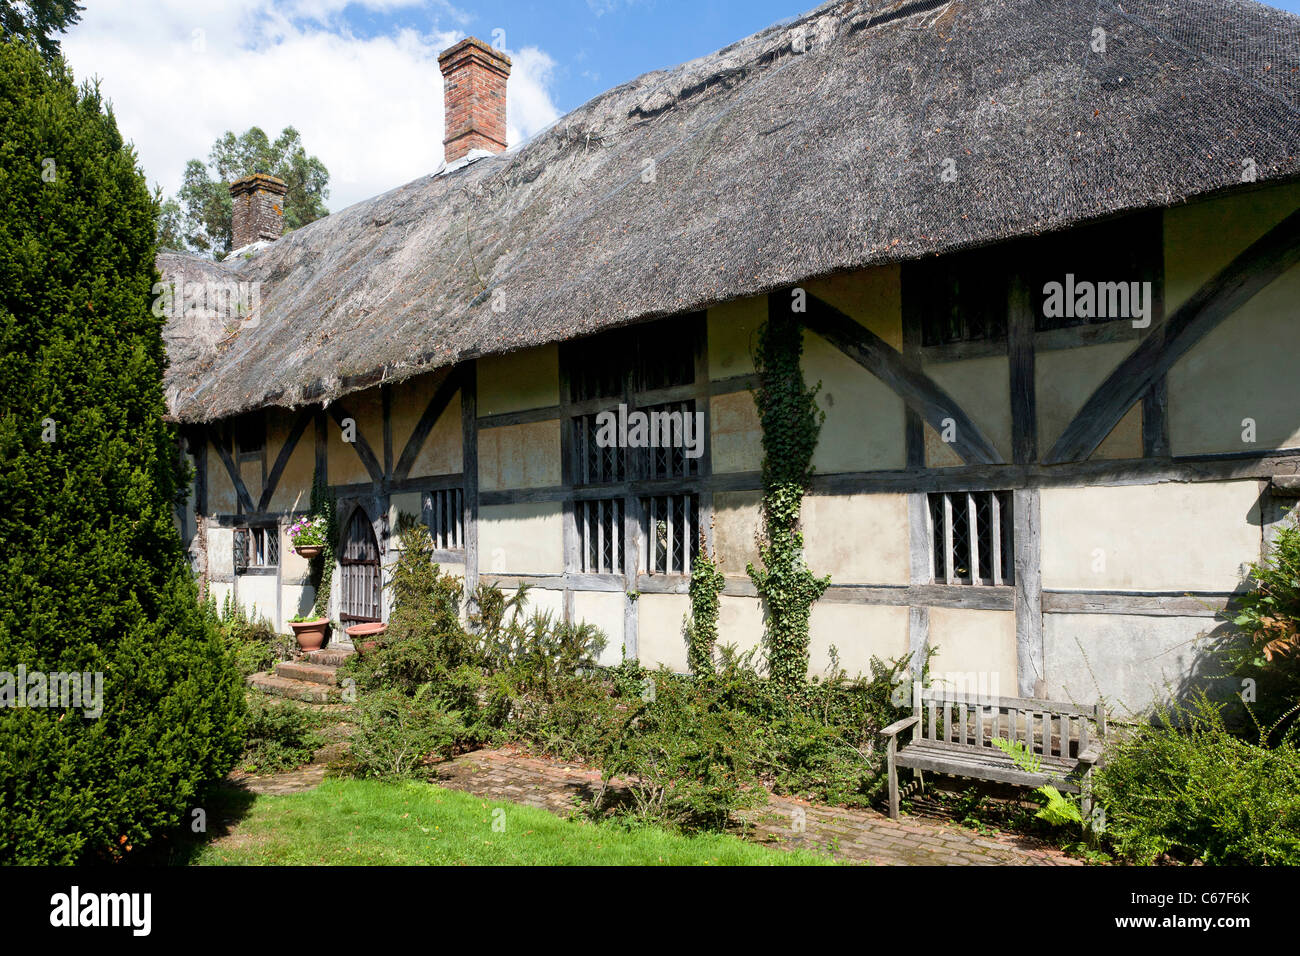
(702, 629)
(322, 505)
(791, 422)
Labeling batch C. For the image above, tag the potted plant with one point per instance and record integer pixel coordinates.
(310, 631)
(365, 637)
(308, 536)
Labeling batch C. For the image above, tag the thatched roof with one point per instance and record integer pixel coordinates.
(771, 166)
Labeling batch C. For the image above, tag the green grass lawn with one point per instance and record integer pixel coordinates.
(398, 823)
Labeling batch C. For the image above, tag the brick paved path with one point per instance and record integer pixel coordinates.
(862, 836)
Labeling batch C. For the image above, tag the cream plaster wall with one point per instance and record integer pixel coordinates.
(857, 539)
(519, 380)
(519, 456)
(521, 538)
(1172, 536)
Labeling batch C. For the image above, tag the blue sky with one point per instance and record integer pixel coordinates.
(359, 78)
(597, 44)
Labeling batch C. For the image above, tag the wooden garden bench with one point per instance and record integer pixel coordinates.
(953, 734)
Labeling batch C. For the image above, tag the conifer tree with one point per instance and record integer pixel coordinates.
(93, 575)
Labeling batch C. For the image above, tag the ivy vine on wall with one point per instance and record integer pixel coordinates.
(702, 629)
(791, 422)
(322, 505)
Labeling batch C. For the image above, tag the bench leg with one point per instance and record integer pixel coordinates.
(919, 777)
(893, 779)
(1085, 800)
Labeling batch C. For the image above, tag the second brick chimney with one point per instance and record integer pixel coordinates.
(258, 212)
(474, 80)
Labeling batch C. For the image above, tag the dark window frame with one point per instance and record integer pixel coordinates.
(658, 367)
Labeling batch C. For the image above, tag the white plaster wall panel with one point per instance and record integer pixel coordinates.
(1066, 378)
(982, 388)
(221, 490)
(740, 624)
(733, 336)
(857, 632)
(545, 600)
(1244, 369)
(1125, 439)
(1165, 537)
(736, 433)
(221, 550)
(1132, 661)
(939, 453)
(521, 539)
(257, 595)
(1203, 237)
(399, 503)
(294, 568)
(864, 427)
(519, 380)
(519, 456)
(736, 521)
(250, 472)
(982, 643)
(294, 600)
(454, 570)
(219, 591)
(603, 609)
(857, 539)
(660, 630)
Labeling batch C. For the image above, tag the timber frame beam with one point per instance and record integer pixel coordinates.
(1166, 342)
(300, 423)
(902, 374)
(362, 447)
(437, 405)
(245, 499)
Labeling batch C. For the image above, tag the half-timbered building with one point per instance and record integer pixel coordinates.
(1045, 258)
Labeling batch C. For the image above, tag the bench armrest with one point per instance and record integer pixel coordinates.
(899, 726)
(1091, 755)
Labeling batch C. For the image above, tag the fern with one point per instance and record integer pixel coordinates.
(1059, 808)
(1025, 759)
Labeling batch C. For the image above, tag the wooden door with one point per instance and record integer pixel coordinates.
(359, 570)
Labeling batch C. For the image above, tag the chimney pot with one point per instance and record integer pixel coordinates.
(258, 212)
(474, 84)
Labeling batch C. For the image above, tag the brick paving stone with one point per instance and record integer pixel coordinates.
(852, 835)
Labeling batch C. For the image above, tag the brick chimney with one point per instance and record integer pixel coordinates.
(474, 81)
(258, 209)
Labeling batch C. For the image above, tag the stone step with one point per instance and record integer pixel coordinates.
(304, 671)
(330, 656)
(293, 689)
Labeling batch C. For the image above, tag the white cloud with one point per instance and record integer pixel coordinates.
(179, 73)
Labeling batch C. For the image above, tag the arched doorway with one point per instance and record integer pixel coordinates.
(359, 571)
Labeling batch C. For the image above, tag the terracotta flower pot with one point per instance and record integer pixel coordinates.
(310, 634)
(309, 551)
(359, 633)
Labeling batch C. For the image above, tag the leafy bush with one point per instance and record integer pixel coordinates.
(1269, 616)
(818, 740)
(397, 732)
(687, 758)
(253, 643)
(93, 576)
(1196, 791)
(280, 736)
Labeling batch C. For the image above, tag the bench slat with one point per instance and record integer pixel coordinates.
(1016, 703)
(920, 758)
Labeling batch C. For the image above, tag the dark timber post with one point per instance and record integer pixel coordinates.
(469, 467)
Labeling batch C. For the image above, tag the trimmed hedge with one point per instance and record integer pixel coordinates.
(93, 576)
